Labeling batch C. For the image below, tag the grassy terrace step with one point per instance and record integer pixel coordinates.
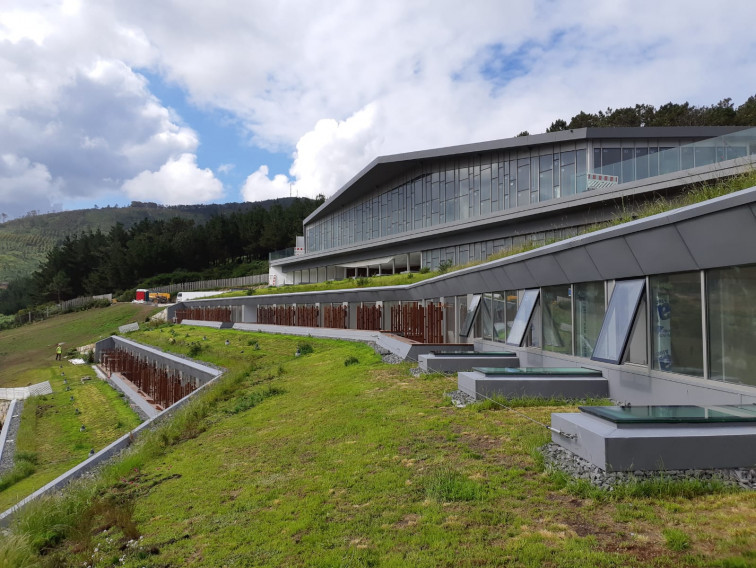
(538, 371)
(308, 461)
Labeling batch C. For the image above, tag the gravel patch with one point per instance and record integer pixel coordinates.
(560, 459)
(459, 398)
(9, 452)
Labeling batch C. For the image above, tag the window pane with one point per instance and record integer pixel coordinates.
(524, 313)
(546, 185)
(589, 314)
(472, 302)
(641, 163)
(732, 324)
(484, 323)
(676, 336)
(669, 160)
(610, 161)
(615, 330)
(499, 313)
(557, 319)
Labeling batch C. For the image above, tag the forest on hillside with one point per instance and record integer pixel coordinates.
(25, 242)
(98, 262)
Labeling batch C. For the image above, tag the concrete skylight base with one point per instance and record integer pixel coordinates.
(549, 383)
(455, 362)
(656, 447)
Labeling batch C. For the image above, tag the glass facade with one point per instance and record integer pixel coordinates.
(459, 188)
(453, 190)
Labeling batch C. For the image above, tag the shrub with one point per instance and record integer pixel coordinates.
(445, 266)
(362, 281)
(304, 348)
(351, 361)
(195, 348)
(425, 270)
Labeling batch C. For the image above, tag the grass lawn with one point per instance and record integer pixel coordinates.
(50, 431)
(306, 461)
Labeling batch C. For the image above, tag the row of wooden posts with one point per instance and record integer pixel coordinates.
(410, 319)
(161, 386)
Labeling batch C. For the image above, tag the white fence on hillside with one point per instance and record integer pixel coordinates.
(213, 284)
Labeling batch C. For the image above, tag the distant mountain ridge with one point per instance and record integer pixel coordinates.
(24, 242)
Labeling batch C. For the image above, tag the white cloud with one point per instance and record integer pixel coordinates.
(259, 187)
(331, 153)
(336, 88)
(225, 168)
(26, 186)
(178, 182)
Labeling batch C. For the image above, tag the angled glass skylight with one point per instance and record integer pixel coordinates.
(523, 317)
(618, 321)
(472, 309)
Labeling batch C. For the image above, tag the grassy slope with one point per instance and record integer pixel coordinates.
(364, 465)
(49, 425)
(28, 352)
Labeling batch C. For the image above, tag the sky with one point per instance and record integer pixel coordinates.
(104, 102)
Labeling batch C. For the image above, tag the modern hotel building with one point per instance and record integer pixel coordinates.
(664, 306)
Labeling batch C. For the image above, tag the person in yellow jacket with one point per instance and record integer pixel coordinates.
(58, 353)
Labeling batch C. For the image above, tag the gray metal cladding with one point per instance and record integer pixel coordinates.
(613, 259)
(724, 238)
(546, 270)
(577, 265)
(661, 250)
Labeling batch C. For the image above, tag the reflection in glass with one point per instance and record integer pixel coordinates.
(623, 305)
(731, 295)
(557, 319)
(499, 311)
(589, 298)
(484, 322)
(524, 314)
(676, 335)
(472, 302)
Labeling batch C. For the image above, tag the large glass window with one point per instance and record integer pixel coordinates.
(556, 310)
(615, 330)
(731, 300)
(590, 303)
(524, 314)
(676, 331)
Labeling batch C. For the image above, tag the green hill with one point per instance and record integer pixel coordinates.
(24, 242)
